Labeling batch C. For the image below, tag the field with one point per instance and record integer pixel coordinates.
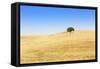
(62, 46)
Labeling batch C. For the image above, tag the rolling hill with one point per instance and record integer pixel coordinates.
(62, 46)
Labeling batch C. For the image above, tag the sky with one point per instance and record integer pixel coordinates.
(48, 20)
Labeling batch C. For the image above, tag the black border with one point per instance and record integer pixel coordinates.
(15, 33)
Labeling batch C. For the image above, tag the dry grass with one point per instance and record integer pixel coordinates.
(78, 45)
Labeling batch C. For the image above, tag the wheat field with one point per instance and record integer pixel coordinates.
(62, 46)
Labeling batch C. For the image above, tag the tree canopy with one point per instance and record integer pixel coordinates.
(70, 29)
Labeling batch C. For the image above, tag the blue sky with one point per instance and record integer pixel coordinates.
(48, 20)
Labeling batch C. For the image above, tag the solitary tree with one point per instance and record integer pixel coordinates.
(70, 29)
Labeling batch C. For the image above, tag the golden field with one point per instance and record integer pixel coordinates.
(63, 46)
